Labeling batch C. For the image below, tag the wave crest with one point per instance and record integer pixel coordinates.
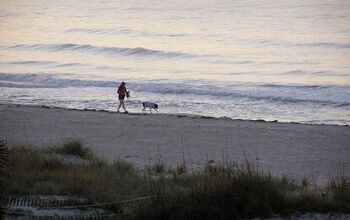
(137, 51)
(297, 94)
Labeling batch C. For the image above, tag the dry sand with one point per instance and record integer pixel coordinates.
(315, 151)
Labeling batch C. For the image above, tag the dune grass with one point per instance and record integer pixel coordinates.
(3, 161)
(3, 153)
(41, 172)
(234, 192)
(72, 147)
(229, 191)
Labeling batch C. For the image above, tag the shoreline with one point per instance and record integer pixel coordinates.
(314, 151)
(178, 115)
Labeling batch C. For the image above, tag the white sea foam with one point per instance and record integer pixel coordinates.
(330, 95)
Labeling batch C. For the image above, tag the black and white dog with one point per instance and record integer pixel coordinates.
(150, 105)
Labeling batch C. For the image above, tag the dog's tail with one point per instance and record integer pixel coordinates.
(143, 104)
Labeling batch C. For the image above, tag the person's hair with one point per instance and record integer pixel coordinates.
(123, 83)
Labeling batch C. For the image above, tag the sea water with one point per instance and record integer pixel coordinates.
(286, 60)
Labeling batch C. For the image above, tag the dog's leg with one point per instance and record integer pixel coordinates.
(144, 110)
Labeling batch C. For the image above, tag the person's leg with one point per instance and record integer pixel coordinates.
(120, 104)
(123, 105)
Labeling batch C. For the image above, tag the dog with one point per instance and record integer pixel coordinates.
(150, 105)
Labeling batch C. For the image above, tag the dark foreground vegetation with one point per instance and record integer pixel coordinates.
(229, 191)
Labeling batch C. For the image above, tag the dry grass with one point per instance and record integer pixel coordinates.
(72, 147)
(239, 191)
(32, 171)
(3, 161)
(216, 192)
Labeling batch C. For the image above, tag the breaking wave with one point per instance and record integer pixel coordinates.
(31, 80)
(329, 95)
(137, 51)
(127, 31)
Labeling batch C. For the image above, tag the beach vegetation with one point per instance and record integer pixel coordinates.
(217, 191)
(340, 191)
(34, 171)
(3, 161)
(3, 153)
(73, 147)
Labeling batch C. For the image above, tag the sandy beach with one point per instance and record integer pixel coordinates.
(315, 151)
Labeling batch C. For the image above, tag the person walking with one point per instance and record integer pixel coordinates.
(122, 92)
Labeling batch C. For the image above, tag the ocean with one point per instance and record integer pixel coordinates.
(285, 60)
